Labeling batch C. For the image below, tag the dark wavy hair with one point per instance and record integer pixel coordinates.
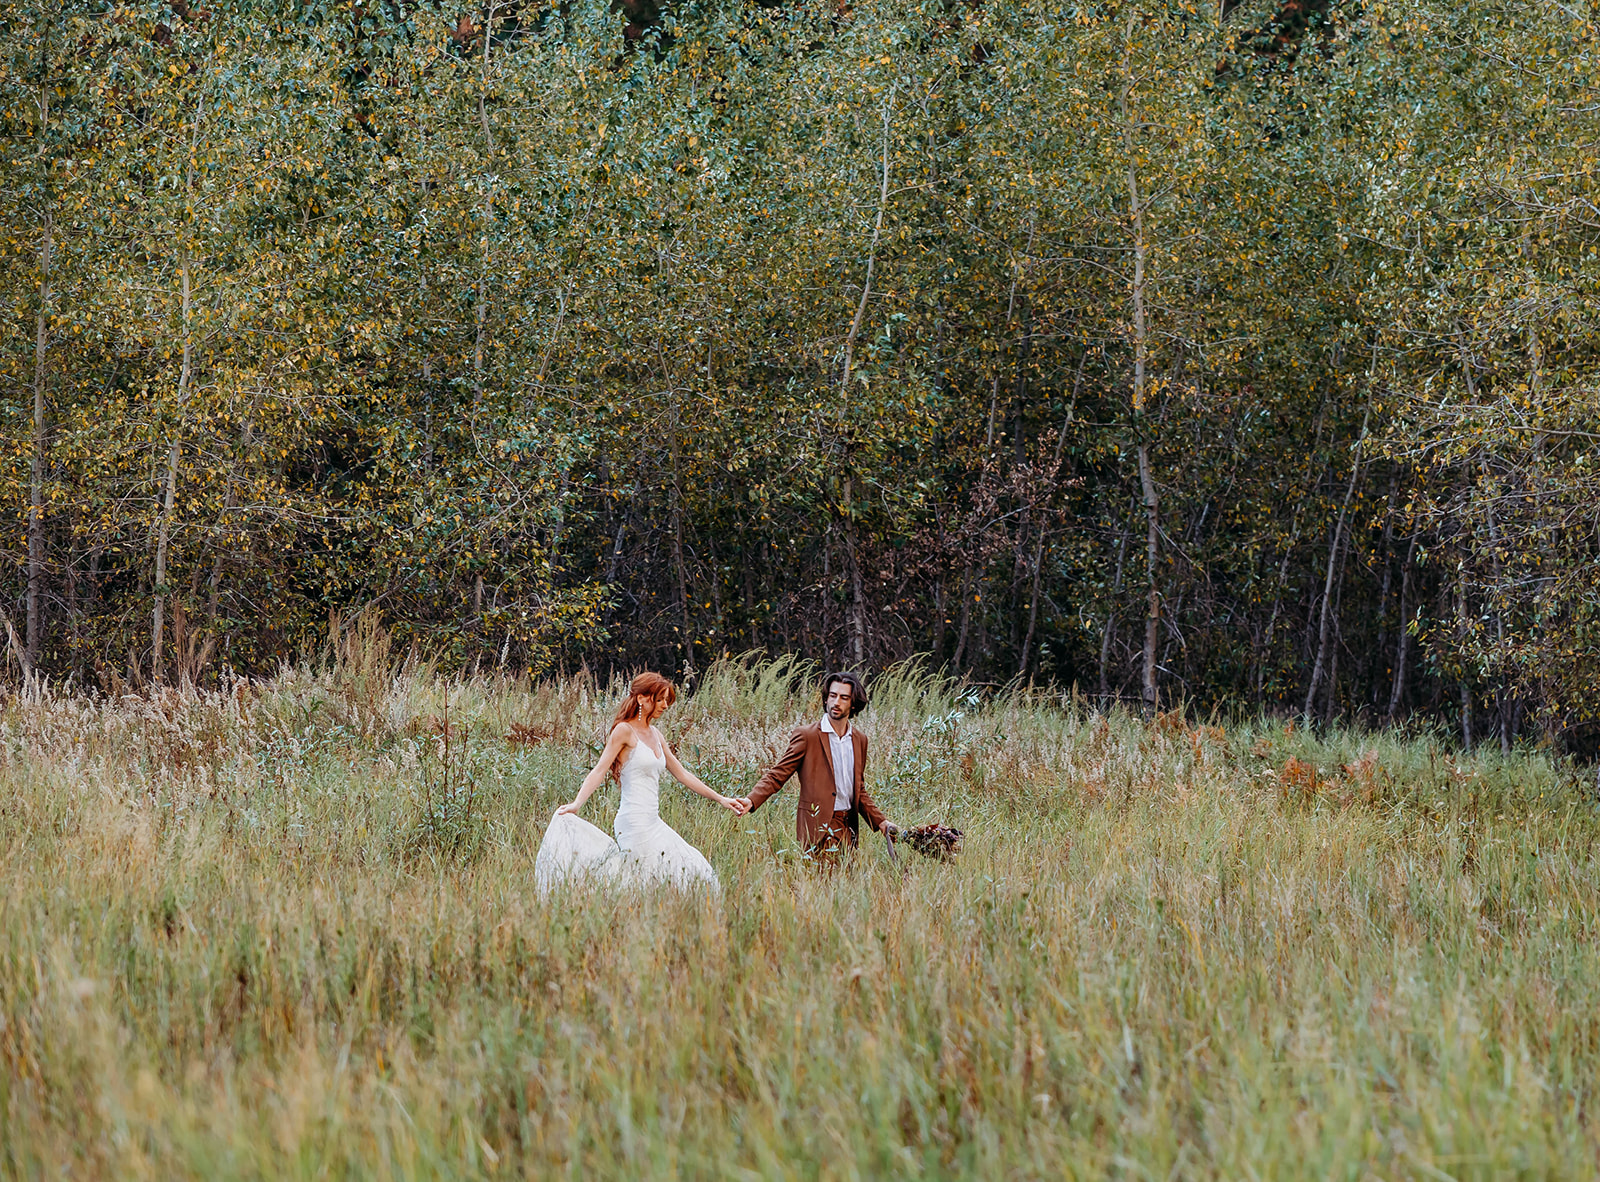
(858, 692)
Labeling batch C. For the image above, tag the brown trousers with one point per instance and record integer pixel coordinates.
(834, 838)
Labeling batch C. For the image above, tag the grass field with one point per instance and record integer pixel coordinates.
(281, 932)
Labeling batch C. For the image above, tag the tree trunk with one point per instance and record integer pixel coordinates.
(1277, 606)
(966, 619)
(34, 626)
(1502, 693)
(872, 256)
(1033, 603)
(962, 629)
(481, 312)
(214, 600)
(1283, 566)
(1141, 347)
(616, 552)
(1152, 618)
(940, 608)
(1397, 689)
(748, 562)
(164, 533)
(1463, 632)
(1044, 521)
(856, 625)
(1108, 631)
(680, 572)
(1019, 434)
(1330, 699)
(1019, 443)
(1386, 545)
(1324, 623)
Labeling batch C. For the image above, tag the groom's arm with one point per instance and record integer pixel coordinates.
(778, 774)
(869, 809)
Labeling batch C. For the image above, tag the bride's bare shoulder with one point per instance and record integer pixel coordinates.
(625, 732)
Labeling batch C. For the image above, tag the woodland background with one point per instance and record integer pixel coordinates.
(1243, 356)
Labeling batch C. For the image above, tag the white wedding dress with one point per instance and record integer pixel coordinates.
(647, 850)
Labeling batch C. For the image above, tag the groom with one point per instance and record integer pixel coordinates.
(831, 757)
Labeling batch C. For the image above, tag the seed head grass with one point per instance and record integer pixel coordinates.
(238, 941)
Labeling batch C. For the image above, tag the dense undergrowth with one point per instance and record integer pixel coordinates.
(289, 930)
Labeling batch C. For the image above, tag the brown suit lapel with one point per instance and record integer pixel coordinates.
(827, 747)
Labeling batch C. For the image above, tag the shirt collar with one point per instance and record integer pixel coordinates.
(827, 727)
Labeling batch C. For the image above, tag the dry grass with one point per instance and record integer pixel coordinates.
(234, 944)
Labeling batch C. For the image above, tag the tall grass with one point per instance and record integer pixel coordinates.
(1167, 952)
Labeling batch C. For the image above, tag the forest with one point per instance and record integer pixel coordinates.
(1239, 357)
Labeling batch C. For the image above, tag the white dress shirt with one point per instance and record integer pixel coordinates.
(843, 749)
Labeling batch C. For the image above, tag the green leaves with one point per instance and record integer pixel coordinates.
(816, 328)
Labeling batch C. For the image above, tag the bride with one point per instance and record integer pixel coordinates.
(646, 849)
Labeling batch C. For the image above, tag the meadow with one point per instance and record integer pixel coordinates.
(287, 930)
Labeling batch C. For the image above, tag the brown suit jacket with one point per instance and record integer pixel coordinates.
(809, 755)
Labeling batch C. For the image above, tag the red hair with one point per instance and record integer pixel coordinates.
(645, 685)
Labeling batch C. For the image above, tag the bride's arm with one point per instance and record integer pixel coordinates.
(614, 747)
(695, 784)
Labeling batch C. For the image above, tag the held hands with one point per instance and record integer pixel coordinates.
(737, 805)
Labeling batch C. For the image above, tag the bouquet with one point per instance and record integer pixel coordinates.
(934, 841)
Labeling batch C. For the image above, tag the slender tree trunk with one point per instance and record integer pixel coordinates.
(966, 618)
(1152, 618)
(74, 614)
(1330, 699)
(481, 312)
(856, 628)
(872, 254)
(1397, 689)
(1277, 606)
(1501, 694)
(748, 562)
(1044, 521)
(34, 626)
(1463, 632)
(1324, 623)
(1386, 545)
(857, 625)
(940, 608)
(616, 552)
(1141, 346)
(1109, 630)
(680, 572)
(1283, 566)
(962, 630)
(1020, 307)
(1033, 602)
(174, 453)
(1019, 435)
(214, 600)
